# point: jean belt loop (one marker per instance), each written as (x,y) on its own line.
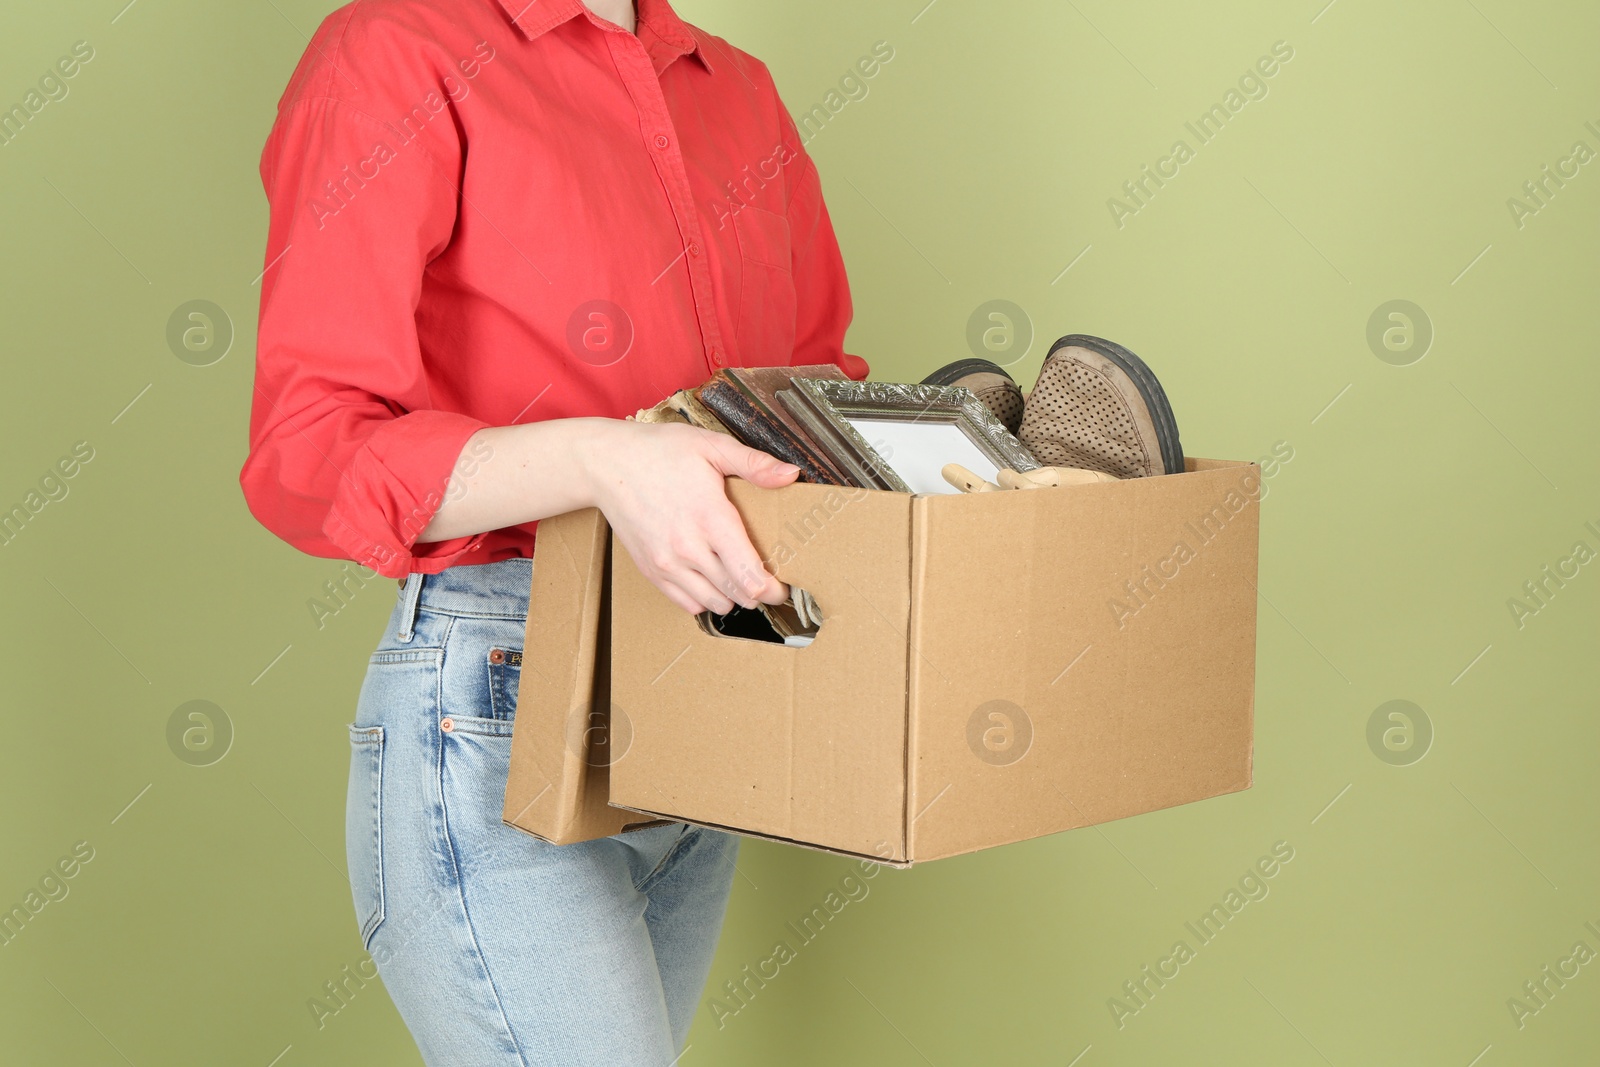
(410,596)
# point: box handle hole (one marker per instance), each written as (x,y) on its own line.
(795,623)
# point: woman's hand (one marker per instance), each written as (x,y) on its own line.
(660,486)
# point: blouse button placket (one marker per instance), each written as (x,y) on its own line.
(644,87)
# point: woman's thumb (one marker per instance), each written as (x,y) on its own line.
(753,465)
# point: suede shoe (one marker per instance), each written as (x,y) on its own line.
(989,382)
(1096,405)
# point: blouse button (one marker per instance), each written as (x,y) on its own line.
(661,140)
(694,250)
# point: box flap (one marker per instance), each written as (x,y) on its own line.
(557,788)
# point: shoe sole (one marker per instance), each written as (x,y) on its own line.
(1144,380)
(961,368)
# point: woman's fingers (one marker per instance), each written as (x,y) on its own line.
(706,575)
(679,579)
(736,559)
(679,597)
(702,590)
(669,505)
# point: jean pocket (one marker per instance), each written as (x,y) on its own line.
(505,674)
(363,830)
(481,668)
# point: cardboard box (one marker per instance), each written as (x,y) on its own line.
(558,785)
(992,667)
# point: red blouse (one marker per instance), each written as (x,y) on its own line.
(488,212)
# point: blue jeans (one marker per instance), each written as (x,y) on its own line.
(496,947)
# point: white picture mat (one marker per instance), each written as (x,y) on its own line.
(918,451)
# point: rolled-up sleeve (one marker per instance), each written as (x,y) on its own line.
(348,458)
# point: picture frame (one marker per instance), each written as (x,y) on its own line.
(915,429)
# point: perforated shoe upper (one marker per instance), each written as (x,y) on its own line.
(1086,410)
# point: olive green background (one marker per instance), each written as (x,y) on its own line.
(1420,497)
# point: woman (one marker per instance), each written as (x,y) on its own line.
(498,227)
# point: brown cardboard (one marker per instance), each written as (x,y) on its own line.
(558,785)
(942,612)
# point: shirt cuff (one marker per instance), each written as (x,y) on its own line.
(394,485)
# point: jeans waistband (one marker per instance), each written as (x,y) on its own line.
(493,589)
